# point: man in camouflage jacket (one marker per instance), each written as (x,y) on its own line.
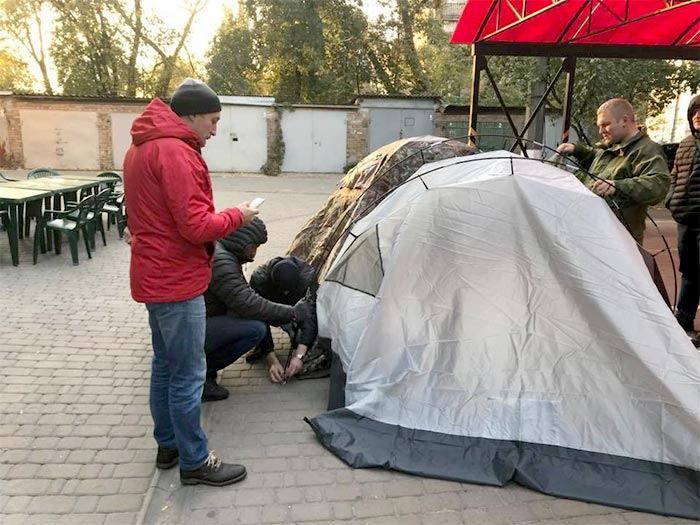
(628,169)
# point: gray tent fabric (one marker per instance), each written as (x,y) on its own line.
(361,266)
(515,335)
(557,471)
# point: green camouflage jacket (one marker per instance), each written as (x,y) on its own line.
(638,167)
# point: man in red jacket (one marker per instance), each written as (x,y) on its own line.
(173,228)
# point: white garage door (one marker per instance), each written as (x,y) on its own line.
(121,137)
(240,144)
(315,140)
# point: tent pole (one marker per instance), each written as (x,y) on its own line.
(477,67)
(569,66)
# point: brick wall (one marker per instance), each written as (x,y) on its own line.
(12,105)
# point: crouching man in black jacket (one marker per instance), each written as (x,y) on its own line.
(238,318)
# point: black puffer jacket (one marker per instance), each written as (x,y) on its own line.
(684,201)
(229,292)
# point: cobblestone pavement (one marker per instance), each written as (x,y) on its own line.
(75,431)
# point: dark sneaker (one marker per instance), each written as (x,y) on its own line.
(167,458)
(213,472)
(213,391)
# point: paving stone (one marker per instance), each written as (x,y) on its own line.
(62,471)
(134,470)
(366,509)
(345,492)
(120,503)
(290,495)
(311,512)
(275,514)
(121,518)
(22,471)
(52,504)
(93,486)
(26,487)
(16,505)
(134,485)
(114,456)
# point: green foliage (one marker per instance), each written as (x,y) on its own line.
(22,22)
(448,67)
(14,73)
(309,51)
(232,67)
(346,68)
(87,48)
(648,84)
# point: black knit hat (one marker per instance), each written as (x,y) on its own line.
(286,275)
(253,233)
(193,97)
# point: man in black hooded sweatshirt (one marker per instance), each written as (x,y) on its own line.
(684,203)
(238,317)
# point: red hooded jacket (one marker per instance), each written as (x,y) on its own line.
(171,210)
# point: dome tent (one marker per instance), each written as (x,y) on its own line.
(496,322)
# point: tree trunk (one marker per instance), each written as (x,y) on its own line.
(409,47)
(131,71)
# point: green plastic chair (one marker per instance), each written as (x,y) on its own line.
(38,173)
(70,223)
(11,233)
(34,208)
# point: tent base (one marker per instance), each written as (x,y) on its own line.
(558,471)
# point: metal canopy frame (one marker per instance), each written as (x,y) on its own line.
(566,51)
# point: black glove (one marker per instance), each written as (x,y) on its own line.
(302,311)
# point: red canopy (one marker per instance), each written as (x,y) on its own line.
(626,28)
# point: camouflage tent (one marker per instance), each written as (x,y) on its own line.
(363,188)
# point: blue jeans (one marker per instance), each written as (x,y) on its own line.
(177,378)
(228,338)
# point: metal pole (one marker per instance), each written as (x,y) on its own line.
(477,66)
(569,66)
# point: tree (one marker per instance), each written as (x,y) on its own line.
(22,20)
(87,48)
(392,47)
(232,67)
(168,45)
(290,44)
(447,67)
(14,73)
(648,84)
(346,66)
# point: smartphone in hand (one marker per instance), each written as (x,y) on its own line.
(256,202)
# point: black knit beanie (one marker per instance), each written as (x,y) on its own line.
(193,97)
(286,275)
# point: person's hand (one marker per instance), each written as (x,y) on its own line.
(274,368)
(295,364)
(565,148)
(604,188)
(127,235)
(247,211)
